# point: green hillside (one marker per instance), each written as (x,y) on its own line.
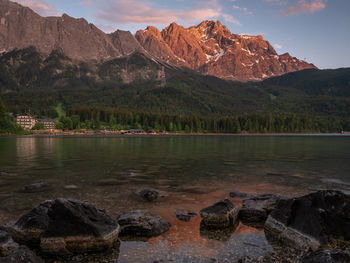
(30,81)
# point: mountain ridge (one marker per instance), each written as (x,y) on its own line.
(209,48)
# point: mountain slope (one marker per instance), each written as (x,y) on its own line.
(316,82)
(209,48)
(212,49)
(29,80)
(20,27)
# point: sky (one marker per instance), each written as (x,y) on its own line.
(317,31)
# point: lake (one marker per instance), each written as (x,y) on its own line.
(191,172)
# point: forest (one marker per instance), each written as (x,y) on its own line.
(124,93)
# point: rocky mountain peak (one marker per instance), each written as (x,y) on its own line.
(21,27)
(209,48)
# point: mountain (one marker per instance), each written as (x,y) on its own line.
(330,82)
(20,27)
(209,48)
(212,49)
(30,80)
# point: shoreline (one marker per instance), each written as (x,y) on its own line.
(116,135)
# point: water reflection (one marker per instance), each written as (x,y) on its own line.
(190,173)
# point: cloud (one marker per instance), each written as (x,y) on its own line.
(304,7)
(143,12)
(243,9)
(277,46)
(231,19)
(277,2)
(41,7)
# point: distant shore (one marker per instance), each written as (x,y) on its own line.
(72,134)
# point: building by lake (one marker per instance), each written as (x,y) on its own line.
(49,124)
(26,121)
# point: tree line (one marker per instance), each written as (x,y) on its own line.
(7,125)
(97,118)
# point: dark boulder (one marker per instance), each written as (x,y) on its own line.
(326,256)
(141,224)
(35,188)
(184,215)
(7,226)
(65,227)
(238,194)
(222,214)
(321,218)
(256,209)
(220,234)
(148,194)
(21,255)
(4,236)
(6,244)
(29,228)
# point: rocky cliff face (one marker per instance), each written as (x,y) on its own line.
(20,27)
(209,48)
(212,49)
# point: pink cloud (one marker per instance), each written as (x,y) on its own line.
(277,2)
(231,19)
(304,6)
(41,7)
(143,12)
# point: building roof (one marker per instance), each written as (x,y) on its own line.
(47,120)
(26,114)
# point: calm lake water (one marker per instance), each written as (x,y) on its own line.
(191,172)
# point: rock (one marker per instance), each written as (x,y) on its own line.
(211,49)
(8,226)
(184,215)
(6,244)
(148,194)
(4,236)
(71,187)
(282,255)
(326,256)
(220,215)
(255,210)
(30,227)
(220,234)
(238,194)
(21,255)
(66,227)
(35,188)
(321,218)
(63,33)
(141,224)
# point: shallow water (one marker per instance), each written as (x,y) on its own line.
(191,172)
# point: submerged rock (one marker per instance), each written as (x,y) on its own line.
(6,244)
(21,255)
(148,194)
(141,224)
(65,227)
(331,255)
(220,215)
(35,188)
(7,226)
(220,234)
(238,194)
(321,218)
(184,215)
(256,209)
